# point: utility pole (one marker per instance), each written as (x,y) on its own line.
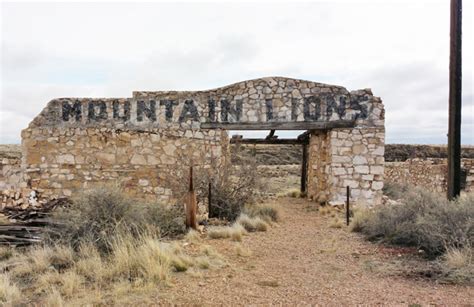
(455,73)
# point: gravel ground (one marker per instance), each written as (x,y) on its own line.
(302,260)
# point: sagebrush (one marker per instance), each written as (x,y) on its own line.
(423,219)
(97,215)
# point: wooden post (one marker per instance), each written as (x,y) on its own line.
(348,192)
(455,77)
(304,170)
(191,204)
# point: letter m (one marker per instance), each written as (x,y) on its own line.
(74,110)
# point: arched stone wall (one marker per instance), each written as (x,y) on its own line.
(140,141)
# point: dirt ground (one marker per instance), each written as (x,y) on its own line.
(302,260)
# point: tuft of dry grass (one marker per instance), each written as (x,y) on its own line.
(325,210)
(193,236)
(54,298)
(6,252)
(267,212)
(458,265)
(295,193)
(242,251)
(9,292)
(234,232)
(252,224)
(336,223)
(139,259)
(360,218)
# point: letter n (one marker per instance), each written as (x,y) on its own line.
(234,112)
(149,111)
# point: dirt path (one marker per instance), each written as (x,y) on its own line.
(304,261)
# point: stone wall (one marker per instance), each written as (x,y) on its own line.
(427,173)
(10,166)
(351,157)
(145,143)
(149,164)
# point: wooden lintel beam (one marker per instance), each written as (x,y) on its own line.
(268,141)
(281,125)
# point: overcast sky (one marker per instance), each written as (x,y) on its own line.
(400,49)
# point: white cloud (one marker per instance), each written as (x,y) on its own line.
(399,49)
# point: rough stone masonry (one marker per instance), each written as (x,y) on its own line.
(142,143)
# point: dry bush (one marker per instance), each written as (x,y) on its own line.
(252,224)
(97,215)
(169,219)
(232,187)
(266,212)
(9,292)
(395,190)
(361,217)
(425,220)
(234,232)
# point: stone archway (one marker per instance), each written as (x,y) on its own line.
(75,142)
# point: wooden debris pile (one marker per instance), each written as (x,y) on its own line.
(26,226)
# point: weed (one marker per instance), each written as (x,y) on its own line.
(9,292)
(252,224)
(336,223)
(234,232)
(266,212)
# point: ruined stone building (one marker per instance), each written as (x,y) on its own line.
(143,142)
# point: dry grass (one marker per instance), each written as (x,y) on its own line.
(295,193)
(267,212)
(6,252)
(193,236)
(326,210)
(234,232)
(252,224)
(58,275)
(458,265)
(242,251)
(336,223)
(360,218)
(54,299)
(9,292)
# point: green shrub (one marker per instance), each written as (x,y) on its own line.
(424,219)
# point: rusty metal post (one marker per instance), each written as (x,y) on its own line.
(455,101)
(348,192)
